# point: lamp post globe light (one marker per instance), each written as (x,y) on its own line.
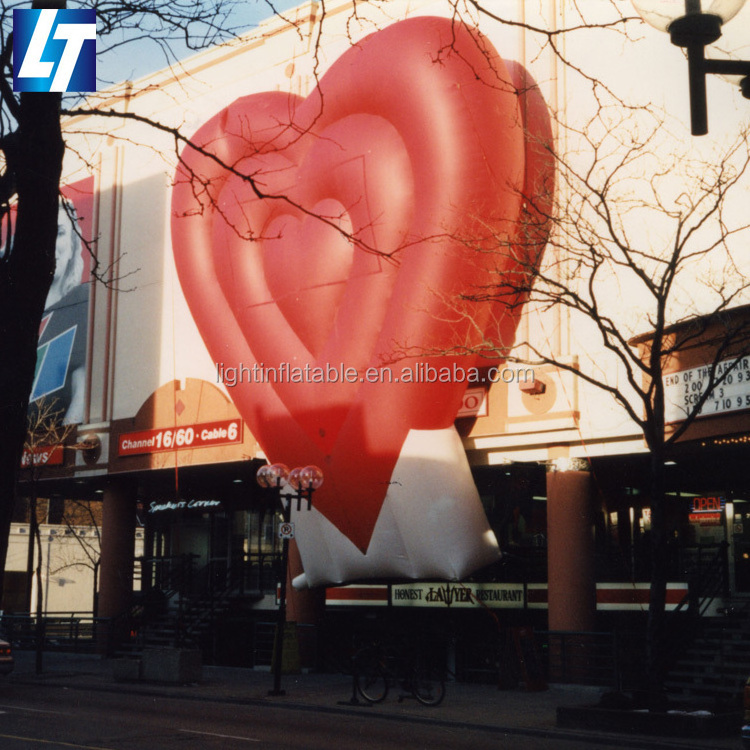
(303,481)
(273,475)
(694,24)
(661,14)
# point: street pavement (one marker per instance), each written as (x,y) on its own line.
(514,711)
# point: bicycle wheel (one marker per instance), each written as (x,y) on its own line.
(372,683)
(428,686)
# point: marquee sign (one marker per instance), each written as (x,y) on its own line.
(684,389)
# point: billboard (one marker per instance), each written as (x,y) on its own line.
(60,377)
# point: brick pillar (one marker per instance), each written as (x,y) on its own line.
(118,544)
(570,547)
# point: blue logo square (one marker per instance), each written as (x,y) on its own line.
(54,50)
(52,363)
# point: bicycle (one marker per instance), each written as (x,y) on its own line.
(377,670)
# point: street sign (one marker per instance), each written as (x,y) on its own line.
(286,530)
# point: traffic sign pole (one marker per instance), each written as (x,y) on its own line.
(281,621)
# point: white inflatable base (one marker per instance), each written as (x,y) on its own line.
(431,525)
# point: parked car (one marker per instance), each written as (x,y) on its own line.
(6,658)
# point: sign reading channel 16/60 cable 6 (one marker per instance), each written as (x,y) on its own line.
(54,50)
(684,389)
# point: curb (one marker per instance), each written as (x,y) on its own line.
(653,724)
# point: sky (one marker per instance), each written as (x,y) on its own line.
(139,54)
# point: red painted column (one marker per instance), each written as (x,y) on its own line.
(570,547)
(304,607)
(118,542)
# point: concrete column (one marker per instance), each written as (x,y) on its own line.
(570,547)
(118,544)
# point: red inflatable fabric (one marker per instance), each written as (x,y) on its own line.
(338,233)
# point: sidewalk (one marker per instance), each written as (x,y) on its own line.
(466,705)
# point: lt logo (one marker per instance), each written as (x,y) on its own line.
(54,50)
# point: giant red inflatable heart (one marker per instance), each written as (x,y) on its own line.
(337,233)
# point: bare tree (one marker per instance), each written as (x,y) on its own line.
(45,435)
(84,516)
(643,260)
(644,240)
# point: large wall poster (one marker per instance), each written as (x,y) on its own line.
(410,157)
(60,376)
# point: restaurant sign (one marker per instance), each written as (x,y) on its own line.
(464,595)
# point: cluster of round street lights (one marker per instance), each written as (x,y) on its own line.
(276,475)
(303,480)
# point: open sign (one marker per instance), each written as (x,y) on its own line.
(714,504)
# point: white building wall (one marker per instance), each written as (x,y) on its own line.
(145,335)
(66,562)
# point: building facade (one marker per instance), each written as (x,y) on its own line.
(164,433)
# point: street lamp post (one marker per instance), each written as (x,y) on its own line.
(303,482)
(694,24)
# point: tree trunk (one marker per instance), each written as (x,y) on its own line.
(95,604)
(30,553)
(655,630)
(26,272)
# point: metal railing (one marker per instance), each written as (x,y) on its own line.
(582,658)
(59,631)
(521,654)
(708,577)
(253,573)
(171,574)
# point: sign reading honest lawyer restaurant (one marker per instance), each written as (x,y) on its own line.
(457,595)
(204,435)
